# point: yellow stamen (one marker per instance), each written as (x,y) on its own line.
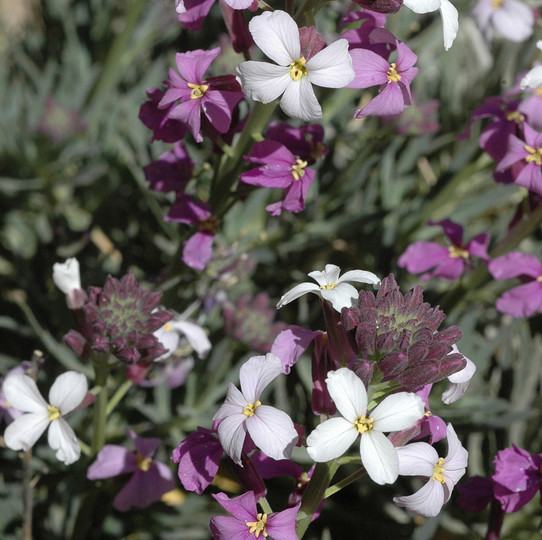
(438,470)
(458,252)
(329,286)
(250,409)
(516,116)
(54,412)
(143,463)
(257,527)
(198,90)
(298,170)
(364,424)
(209,225)
(496,4)
(168,327)
(392,74)
(298,69)
(538,91)
(535,155)
(427,413)
(539,279)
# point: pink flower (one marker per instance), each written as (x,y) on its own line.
(242,412)
(215,96)
(524,300)
(446,262)
(149,481)
(247,523)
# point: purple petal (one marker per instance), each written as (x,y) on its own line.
(290,344)
(370,69)
(198,250)
(421,256)
(193,64)
(112,460)
(242,508)
(389,102)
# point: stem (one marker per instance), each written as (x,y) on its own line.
(344,482)
(118,395)
(315,493)
(101,370)
(28,487)
(266,507)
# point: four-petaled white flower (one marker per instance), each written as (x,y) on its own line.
(277,35)
(332,287)
(271,430)
(333,437)
(66,393)
(421,459)
(448,12)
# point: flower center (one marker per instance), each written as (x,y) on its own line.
(250,410)
(539,279)
(438,470)
(143,463)
(168,327)
(364,424)
(515,116)
(54,412)
(328,286)
(496,4)
(298,69)
(456,252)
(298,170)
(257,527)
(538,91)
(209,225)
(392,74)
(535,155)
(198,90)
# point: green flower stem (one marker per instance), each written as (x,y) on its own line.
(344,482)
(266,507)
(315,493)
(100,361)
(118,395)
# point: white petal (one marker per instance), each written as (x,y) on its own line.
(257,373)
(332,66)
(277,35)
(417,459)
(234,403)
(262,81)
(422,6)
(68,391)
(22,394)
(348,392)
(328,276)
(454,392)
(427,501)
(297,291)
(179,7)
(196,336)
(66,275)
(457,457)
(533,78)
(232,432)
(299,101)
(464,375)
(62,439)
(450,22)
(273,432)
(361,276)
(331,439)
(25,430)
(379,457)
(398,411)
(342,295)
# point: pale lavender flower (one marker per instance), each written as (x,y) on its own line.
(150,479)
(511,19)
(242,412)
(421,459)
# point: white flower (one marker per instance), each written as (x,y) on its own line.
(66,275)
(171,336)
(180,7)
(277,35)
(332,438)
(458,381)
(332,287)
(448,12)
(66,393)
(421,459)
(533,78)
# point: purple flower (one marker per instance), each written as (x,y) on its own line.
(395,79)
(149,481)
(445,262)
(517,477)
(524,300)
(290,344)
(475,494)
(242,412)
(197,250)
(171,171)
(279,169)
(247,523)
(215,96)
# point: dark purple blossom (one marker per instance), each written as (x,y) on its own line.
(171,171)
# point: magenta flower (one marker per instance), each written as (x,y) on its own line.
(215,96)
(247,523)
(306,142)
(395,79)
(149,481)
(524,300)
(445,262)
(527,156)
(242,412)
(517,477)
(290,344)
(197,251)
(171,171)
(279,169)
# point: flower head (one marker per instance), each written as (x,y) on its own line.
(66,393)
(242,412)
(333,437)
(171,171)
(150,479)
(293,75)
(511,19)
(421,459)
(332,287)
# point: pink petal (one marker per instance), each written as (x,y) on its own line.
(112,460)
